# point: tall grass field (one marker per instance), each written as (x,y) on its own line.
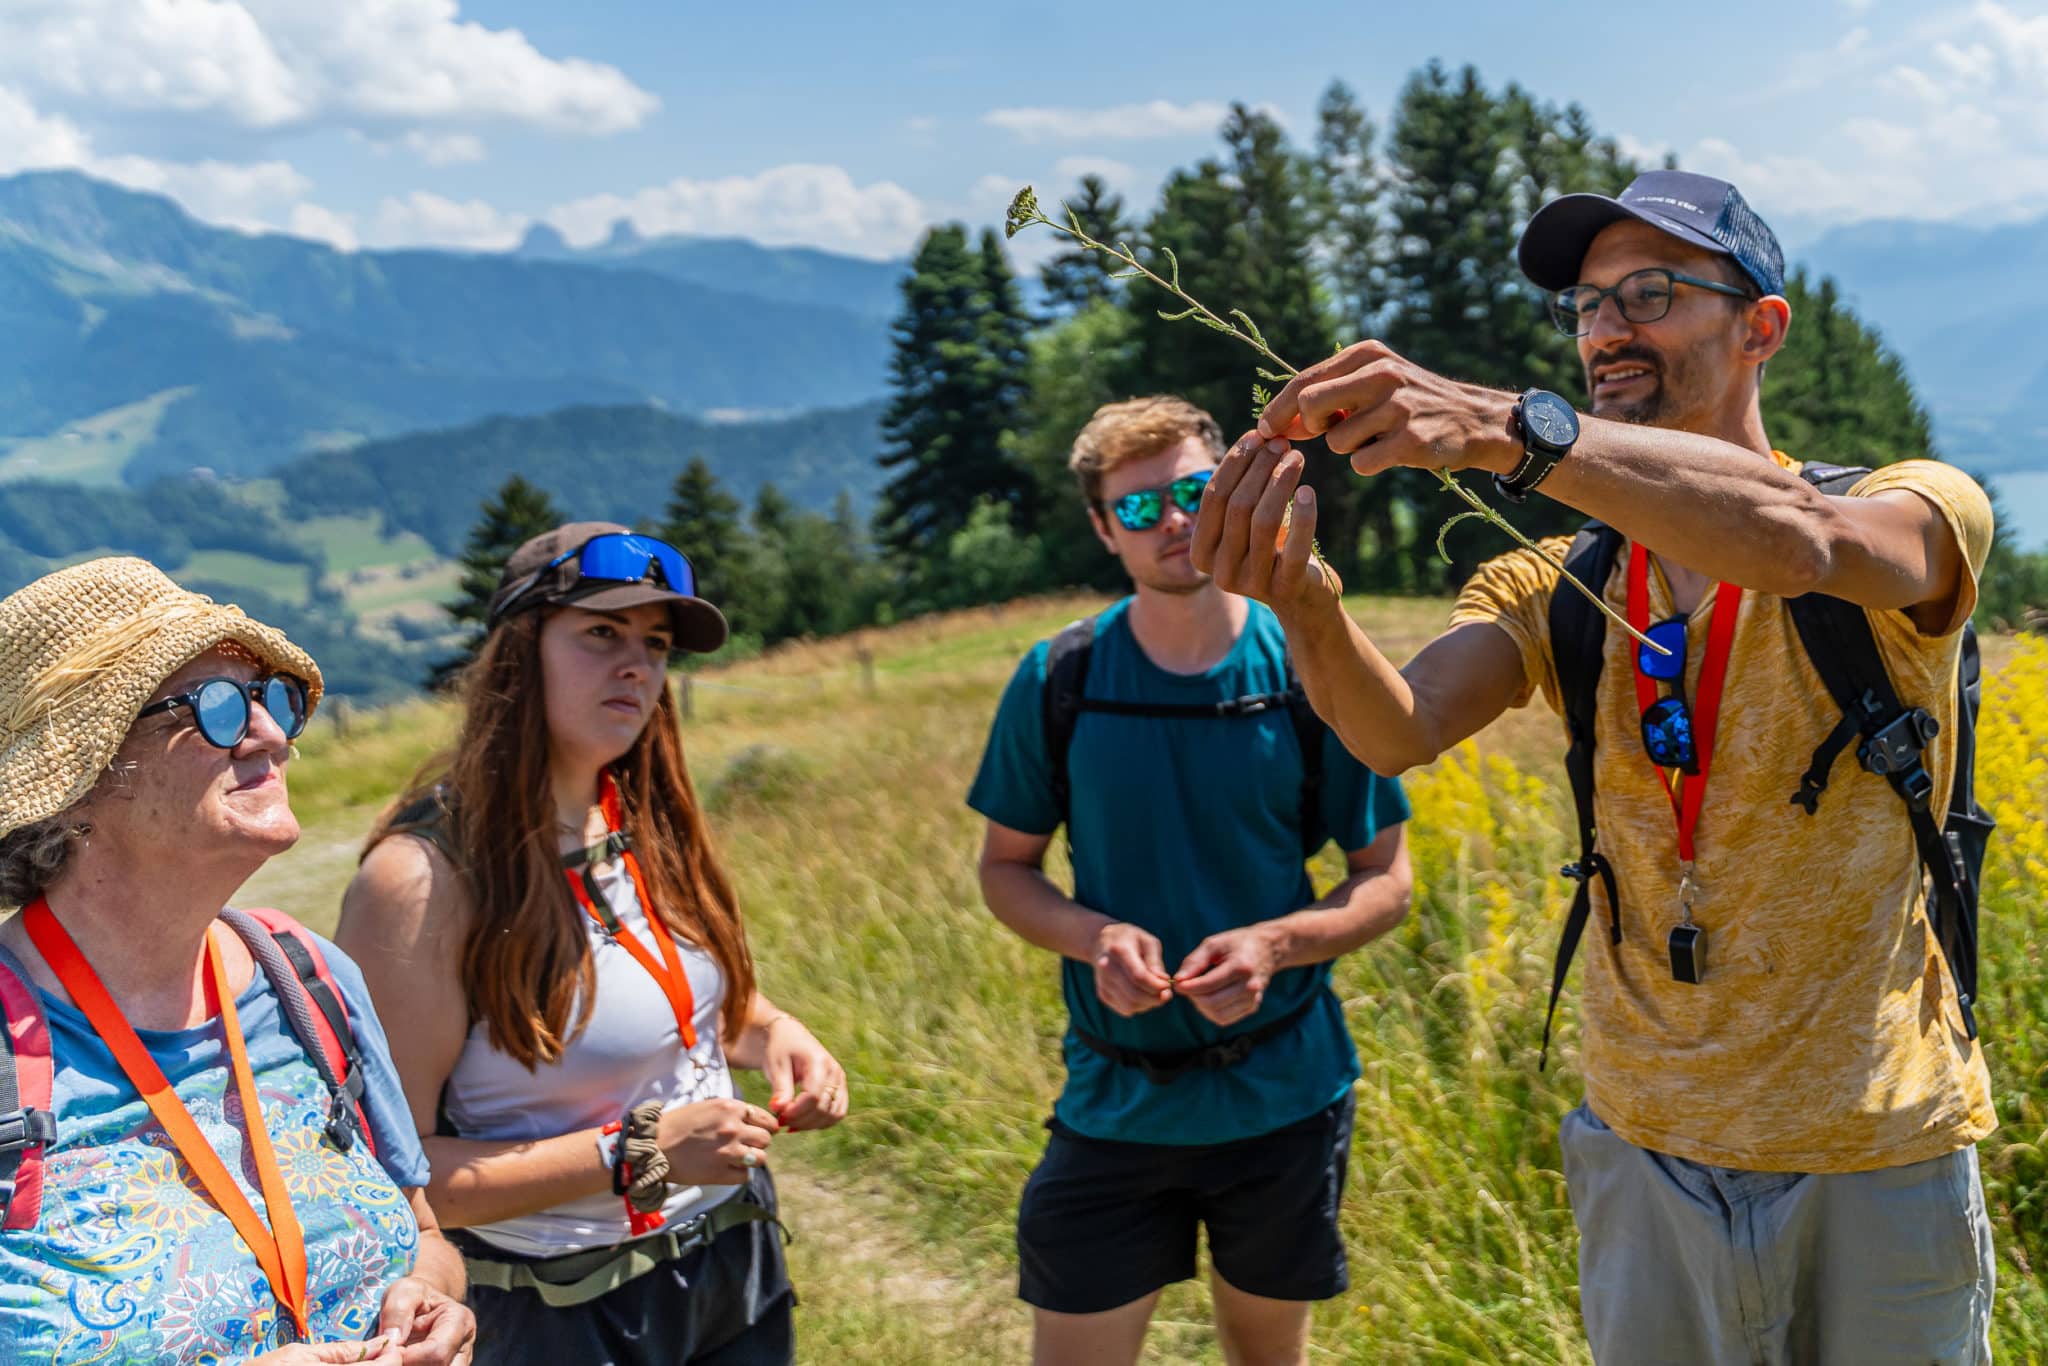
(835,772)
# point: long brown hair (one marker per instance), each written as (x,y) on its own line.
(526,964)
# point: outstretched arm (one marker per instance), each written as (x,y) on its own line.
(1720,509)
(1392,719)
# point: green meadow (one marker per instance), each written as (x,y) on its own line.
(834,773)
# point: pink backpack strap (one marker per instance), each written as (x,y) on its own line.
(27,1124)
(314,1007)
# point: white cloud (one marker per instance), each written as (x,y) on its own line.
(275,63)
(425,219)
(323,225)
(444,149)
(239,194)
(808,204)
(1153,119)
(1948,123)
(30,139)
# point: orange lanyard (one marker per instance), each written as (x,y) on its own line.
(281,1248)
(675,983)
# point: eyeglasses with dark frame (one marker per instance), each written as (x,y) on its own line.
(1643,296)
(224,707)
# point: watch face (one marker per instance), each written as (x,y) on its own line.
(1549,419)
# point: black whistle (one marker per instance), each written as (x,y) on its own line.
(1688,954)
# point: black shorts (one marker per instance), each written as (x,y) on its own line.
(1104,1223)
(726,1304)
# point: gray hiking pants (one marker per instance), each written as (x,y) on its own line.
(1693,1265)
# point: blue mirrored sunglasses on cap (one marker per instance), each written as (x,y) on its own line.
(1141,509)
(223,707)
(614,557)
(627,557)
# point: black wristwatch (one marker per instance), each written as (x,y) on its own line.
(1548,427)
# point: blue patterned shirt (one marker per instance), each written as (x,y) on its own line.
(131,1263)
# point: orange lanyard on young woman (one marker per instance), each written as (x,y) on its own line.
(1690,791)
(280,1249)
(675,984)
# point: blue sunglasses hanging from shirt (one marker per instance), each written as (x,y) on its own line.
(1667,723)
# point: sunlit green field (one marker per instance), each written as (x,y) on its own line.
(838,807)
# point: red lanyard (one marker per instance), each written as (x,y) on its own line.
(1689,793)
(675,984)
(281,1248)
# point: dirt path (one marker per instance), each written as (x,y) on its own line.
(869,1291)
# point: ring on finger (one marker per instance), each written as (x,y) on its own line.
(749,1158)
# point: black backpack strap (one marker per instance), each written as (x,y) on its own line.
(1893,740)
(430,815)
(1578,645)
(1066,672)
(296,981)
(1308,732)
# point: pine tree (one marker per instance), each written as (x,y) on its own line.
(516,514)
(1834,393)
(959,355)
(1344,194)
(1075,277)
(703,521)
(1076,366)
(1240,230)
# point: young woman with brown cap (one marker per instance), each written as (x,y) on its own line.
(161,1076)
(567,977)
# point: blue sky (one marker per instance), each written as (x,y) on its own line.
(459,122)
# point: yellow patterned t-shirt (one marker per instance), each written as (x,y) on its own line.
(1825,1036)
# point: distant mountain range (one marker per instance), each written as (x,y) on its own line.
(796,275)
(611,464)
(1967,308)
(144,342)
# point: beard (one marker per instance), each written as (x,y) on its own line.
(1670,396)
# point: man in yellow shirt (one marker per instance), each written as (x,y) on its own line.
(1775,1160)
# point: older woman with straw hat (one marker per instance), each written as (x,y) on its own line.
(216,1185)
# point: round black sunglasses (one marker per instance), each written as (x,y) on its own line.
(223,707)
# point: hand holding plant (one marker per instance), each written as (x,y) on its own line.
(1306,406)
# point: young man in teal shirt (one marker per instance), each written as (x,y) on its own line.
(1209,1069)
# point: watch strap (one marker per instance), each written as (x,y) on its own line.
(1539,458)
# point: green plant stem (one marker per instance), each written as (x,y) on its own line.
(1024,213)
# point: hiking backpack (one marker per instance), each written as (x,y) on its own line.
(1064,699)
(1891,740)
(307,997)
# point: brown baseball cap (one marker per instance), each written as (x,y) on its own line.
(528,582)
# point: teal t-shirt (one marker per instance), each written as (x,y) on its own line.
(1186,827)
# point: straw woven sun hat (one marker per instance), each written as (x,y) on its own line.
(81,650)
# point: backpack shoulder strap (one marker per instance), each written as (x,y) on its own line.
(1892,740)
(1308,732)
(1578,646)
(312,1004)
(1066,673)
(431,816)
(27,1124)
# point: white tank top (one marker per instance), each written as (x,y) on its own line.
(629,1052)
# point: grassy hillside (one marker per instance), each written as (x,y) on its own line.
(839,811)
